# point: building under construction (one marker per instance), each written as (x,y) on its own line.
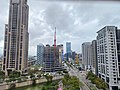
(52,58)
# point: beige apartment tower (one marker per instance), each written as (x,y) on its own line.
(16,37)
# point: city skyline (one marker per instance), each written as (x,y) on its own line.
(76,16)
(73,44)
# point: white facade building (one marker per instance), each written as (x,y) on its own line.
(108,50)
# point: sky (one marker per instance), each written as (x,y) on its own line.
(76,21)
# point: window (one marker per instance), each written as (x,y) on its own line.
(20,53)
(4,53)
(20,67)
(14,18)
(20,60)
(3,67)
(20,45)
(4,60)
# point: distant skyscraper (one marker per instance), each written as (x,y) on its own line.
(86,55)
(16,37)
(80,59)
(73,55)
(108,55)
(40,53)
(68,49)
(61,57)
(89,56)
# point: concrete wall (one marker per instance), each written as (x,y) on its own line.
(24,83)
(27,83)
(2,87)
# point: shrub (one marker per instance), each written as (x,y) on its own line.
(39,75)
(14,74)
(71,83)
(96,80)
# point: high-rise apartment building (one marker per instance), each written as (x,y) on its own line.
(68,49)
(16,37)
(86,55)
(73,55)
(108,55)
(40,53)
(61,56)
(80,59)
(94,56)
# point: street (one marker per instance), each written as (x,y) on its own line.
(81,76)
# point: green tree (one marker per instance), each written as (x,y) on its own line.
(2,76)
(48,77)
(50,86)
(31,71)
(96,80)
(14,74)
(71,83)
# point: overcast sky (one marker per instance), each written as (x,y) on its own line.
(76,21)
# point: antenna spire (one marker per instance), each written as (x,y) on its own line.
(55,38)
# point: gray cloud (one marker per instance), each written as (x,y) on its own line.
(56,16)
(77,22)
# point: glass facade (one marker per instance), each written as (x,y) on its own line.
(40,52)
(68,49)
